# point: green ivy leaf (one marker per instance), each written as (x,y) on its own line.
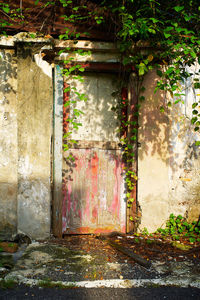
(178,8)
(32,35)
(192,240)
(195,112)
(162,109)
(167,35)
(194,105)
(142,69)
(193,54)
(197,85)
(159,73)
(6,9)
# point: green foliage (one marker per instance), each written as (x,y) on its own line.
(7,284)
(181,246)
(72,70)
(145,231)
(149,242)
(170,28)
(50,284)
(168,31)
(178,227)
(171,32)
(5,7)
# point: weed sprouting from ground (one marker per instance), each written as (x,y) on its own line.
(8,284)
(51,284)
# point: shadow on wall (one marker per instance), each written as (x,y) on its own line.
(98,119)
(24,209)
(26,143)
(167,135)
(8,144)
(8,210)
(153,124)
(8,70)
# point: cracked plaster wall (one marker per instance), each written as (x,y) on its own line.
(168,160)
(8,143)
(26,99)
(34,143)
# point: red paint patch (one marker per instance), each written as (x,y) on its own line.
(87,208)
(94,165)
(94,212)
(94,170)
(69,204)
(64,210)
(115,206)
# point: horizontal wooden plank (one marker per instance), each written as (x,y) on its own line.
(86,45)
(107,145)
(94,57)
(102,66)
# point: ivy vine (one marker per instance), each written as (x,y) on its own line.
(151,34)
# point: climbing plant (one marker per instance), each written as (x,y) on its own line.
(163,36)
(177,227)
(151,34)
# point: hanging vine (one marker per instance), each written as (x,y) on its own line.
(151,34)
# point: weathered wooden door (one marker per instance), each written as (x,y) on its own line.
(93,189)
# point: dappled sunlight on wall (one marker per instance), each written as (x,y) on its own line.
(153,124)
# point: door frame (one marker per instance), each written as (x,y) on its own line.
(57,152)
(59,95)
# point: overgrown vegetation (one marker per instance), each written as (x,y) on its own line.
(7,284)
(151,34)
(178,228)
(50,284)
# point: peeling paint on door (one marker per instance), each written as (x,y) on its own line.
(93,185)
(93,193)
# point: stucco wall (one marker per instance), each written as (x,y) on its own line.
(153,158)
(184,165)
(168,160)
(35,100)
(8,143)
(26,102)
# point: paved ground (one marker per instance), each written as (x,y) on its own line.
(158,293)
(62,270)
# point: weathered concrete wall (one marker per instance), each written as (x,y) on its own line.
(8,143)
(35,100)
(184,167)
(168,160)
(153,156)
